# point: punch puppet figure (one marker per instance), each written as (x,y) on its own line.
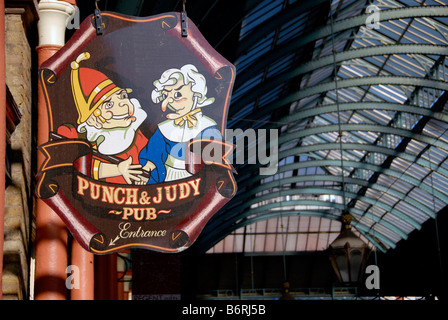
(110,120)
(183,93)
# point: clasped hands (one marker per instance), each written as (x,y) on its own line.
(131,173)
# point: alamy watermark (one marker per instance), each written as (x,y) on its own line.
(73,279)
(250,146)
(74,19)
(373,280)
(373,20)
(260,147)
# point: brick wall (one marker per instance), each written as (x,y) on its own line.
(18,204)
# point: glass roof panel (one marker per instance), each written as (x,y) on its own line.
(292,28)
(261,13)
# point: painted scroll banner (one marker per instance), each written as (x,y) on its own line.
(132,112)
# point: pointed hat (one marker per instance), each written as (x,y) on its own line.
(90,88)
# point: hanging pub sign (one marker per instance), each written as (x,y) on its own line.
(136,152)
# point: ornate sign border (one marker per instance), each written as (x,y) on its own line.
(65,185)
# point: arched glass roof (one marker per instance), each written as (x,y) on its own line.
(357,92)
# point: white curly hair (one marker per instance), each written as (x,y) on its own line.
(188,73)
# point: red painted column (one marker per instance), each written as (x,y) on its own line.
(51,233)
(85,262)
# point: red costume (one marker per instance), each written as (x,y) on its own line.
(91,88)
(140,141)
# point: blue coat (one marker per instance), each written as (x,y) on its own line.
(159,147)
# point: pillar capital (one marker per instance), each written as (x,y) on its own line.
(53,17)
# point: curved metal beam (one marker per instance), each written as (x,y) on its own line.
(212,237)
(367,166)
(360,106)
(363,127)
(218,234)
(367,232)
(366,81)
(305,150)
(320,191)
(359,226)
(366,147)
(347,83)
(363,147)
(338,57)
(338,179)
(339,206)
(326,30)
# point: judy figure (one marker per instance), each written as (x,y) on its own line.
(184,93)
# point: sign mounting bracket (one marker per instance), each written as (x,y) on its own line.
(184,25)
(98,21)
